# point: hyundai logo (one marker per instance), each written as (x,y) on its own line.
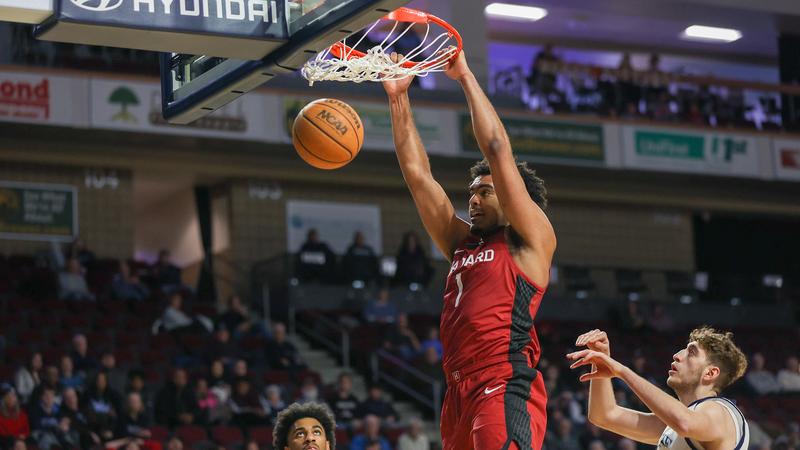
(98,5)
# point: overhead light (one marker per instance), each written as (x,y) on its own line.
(515,12)
(711,34)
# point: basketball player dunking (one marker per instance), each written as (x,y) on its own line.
(500,266)
(699,419)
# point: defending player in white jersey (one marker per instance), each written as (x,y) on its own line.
(698,419)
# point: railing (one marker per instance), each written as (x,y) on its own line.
(320,331)
(391,377)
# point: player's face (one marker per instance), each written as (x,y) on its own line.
(688,367)
(484,207)
(307,434)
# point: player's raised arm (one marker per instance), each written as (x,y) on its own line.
(603,408)
(524,215)
(435,209)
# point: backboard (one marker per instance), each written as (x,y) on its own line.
(193,86)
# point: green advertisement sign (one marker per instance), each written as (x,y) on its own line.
(665,145)
(31,211)
(545,138)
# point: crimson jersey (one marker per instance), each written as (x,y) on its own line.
(489,305)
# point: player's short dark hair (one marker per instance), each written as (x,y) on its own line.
(533,184)
(297,411)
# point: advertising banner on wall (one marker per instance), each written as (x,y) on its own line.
(786,158)
(136,106)
(544,138)
(437,127)
(43,99)
(691,152)
(38,211)
(336,223)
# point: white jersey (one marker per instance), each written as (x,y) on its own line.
(671,441)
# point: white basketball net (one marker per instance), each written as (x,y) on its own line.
(377,64)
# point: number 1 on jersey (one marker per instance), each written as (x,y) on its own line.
(460,289)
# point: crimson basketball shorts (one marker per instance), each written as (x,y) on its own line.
(499,406)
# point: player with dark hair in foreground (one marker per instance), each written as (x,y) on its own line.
(698,419)
(305,426)
(500,266)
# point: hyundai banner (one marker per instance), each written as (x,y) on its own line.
(245,29)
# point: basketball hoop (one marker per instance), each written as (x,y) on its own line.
(341,62)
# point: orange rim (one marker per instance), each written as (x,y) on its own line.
(407,15)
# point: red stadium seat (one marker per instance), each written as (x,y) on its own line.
(342,438)
(262,435)
(159,433)
(225,435)
(190,434)
(276,377)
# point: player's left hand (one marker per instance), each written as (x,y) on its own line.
(603,366)
(458,67)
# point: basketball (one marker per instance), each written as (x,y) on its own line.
(327,133)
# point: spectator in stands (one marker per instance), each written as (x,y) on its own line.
(79,251)
(309,391)
(217,380)
(137,385)
(245,405)
(175,402)
(376,405)
(240,370)
(343,402)
(81,359)
(133,423)
(431,365)
(210,407)
(300,427)
(272,403)
(166,274)
(563,438)
(553,382)
(239,321)
(174,443)
(401,339)
(632,318)
(542,78)
(44,420)
(315,260)
(221,348)
(413,268)
(381,309)
(626,444)
(116,376)
(72,283)
(759,379)
(414,438)
(174,319)
(432,341)
(13,419)
(70,379)
(76,428)
(127,285)
(49,381)
(594,434)
(789,376)
(360,262)
(659,320)
(28,377)
(103,406)
(371,434)
(282,354)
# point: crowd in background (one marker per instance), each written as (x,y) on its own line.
(555,86)
(233,368)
